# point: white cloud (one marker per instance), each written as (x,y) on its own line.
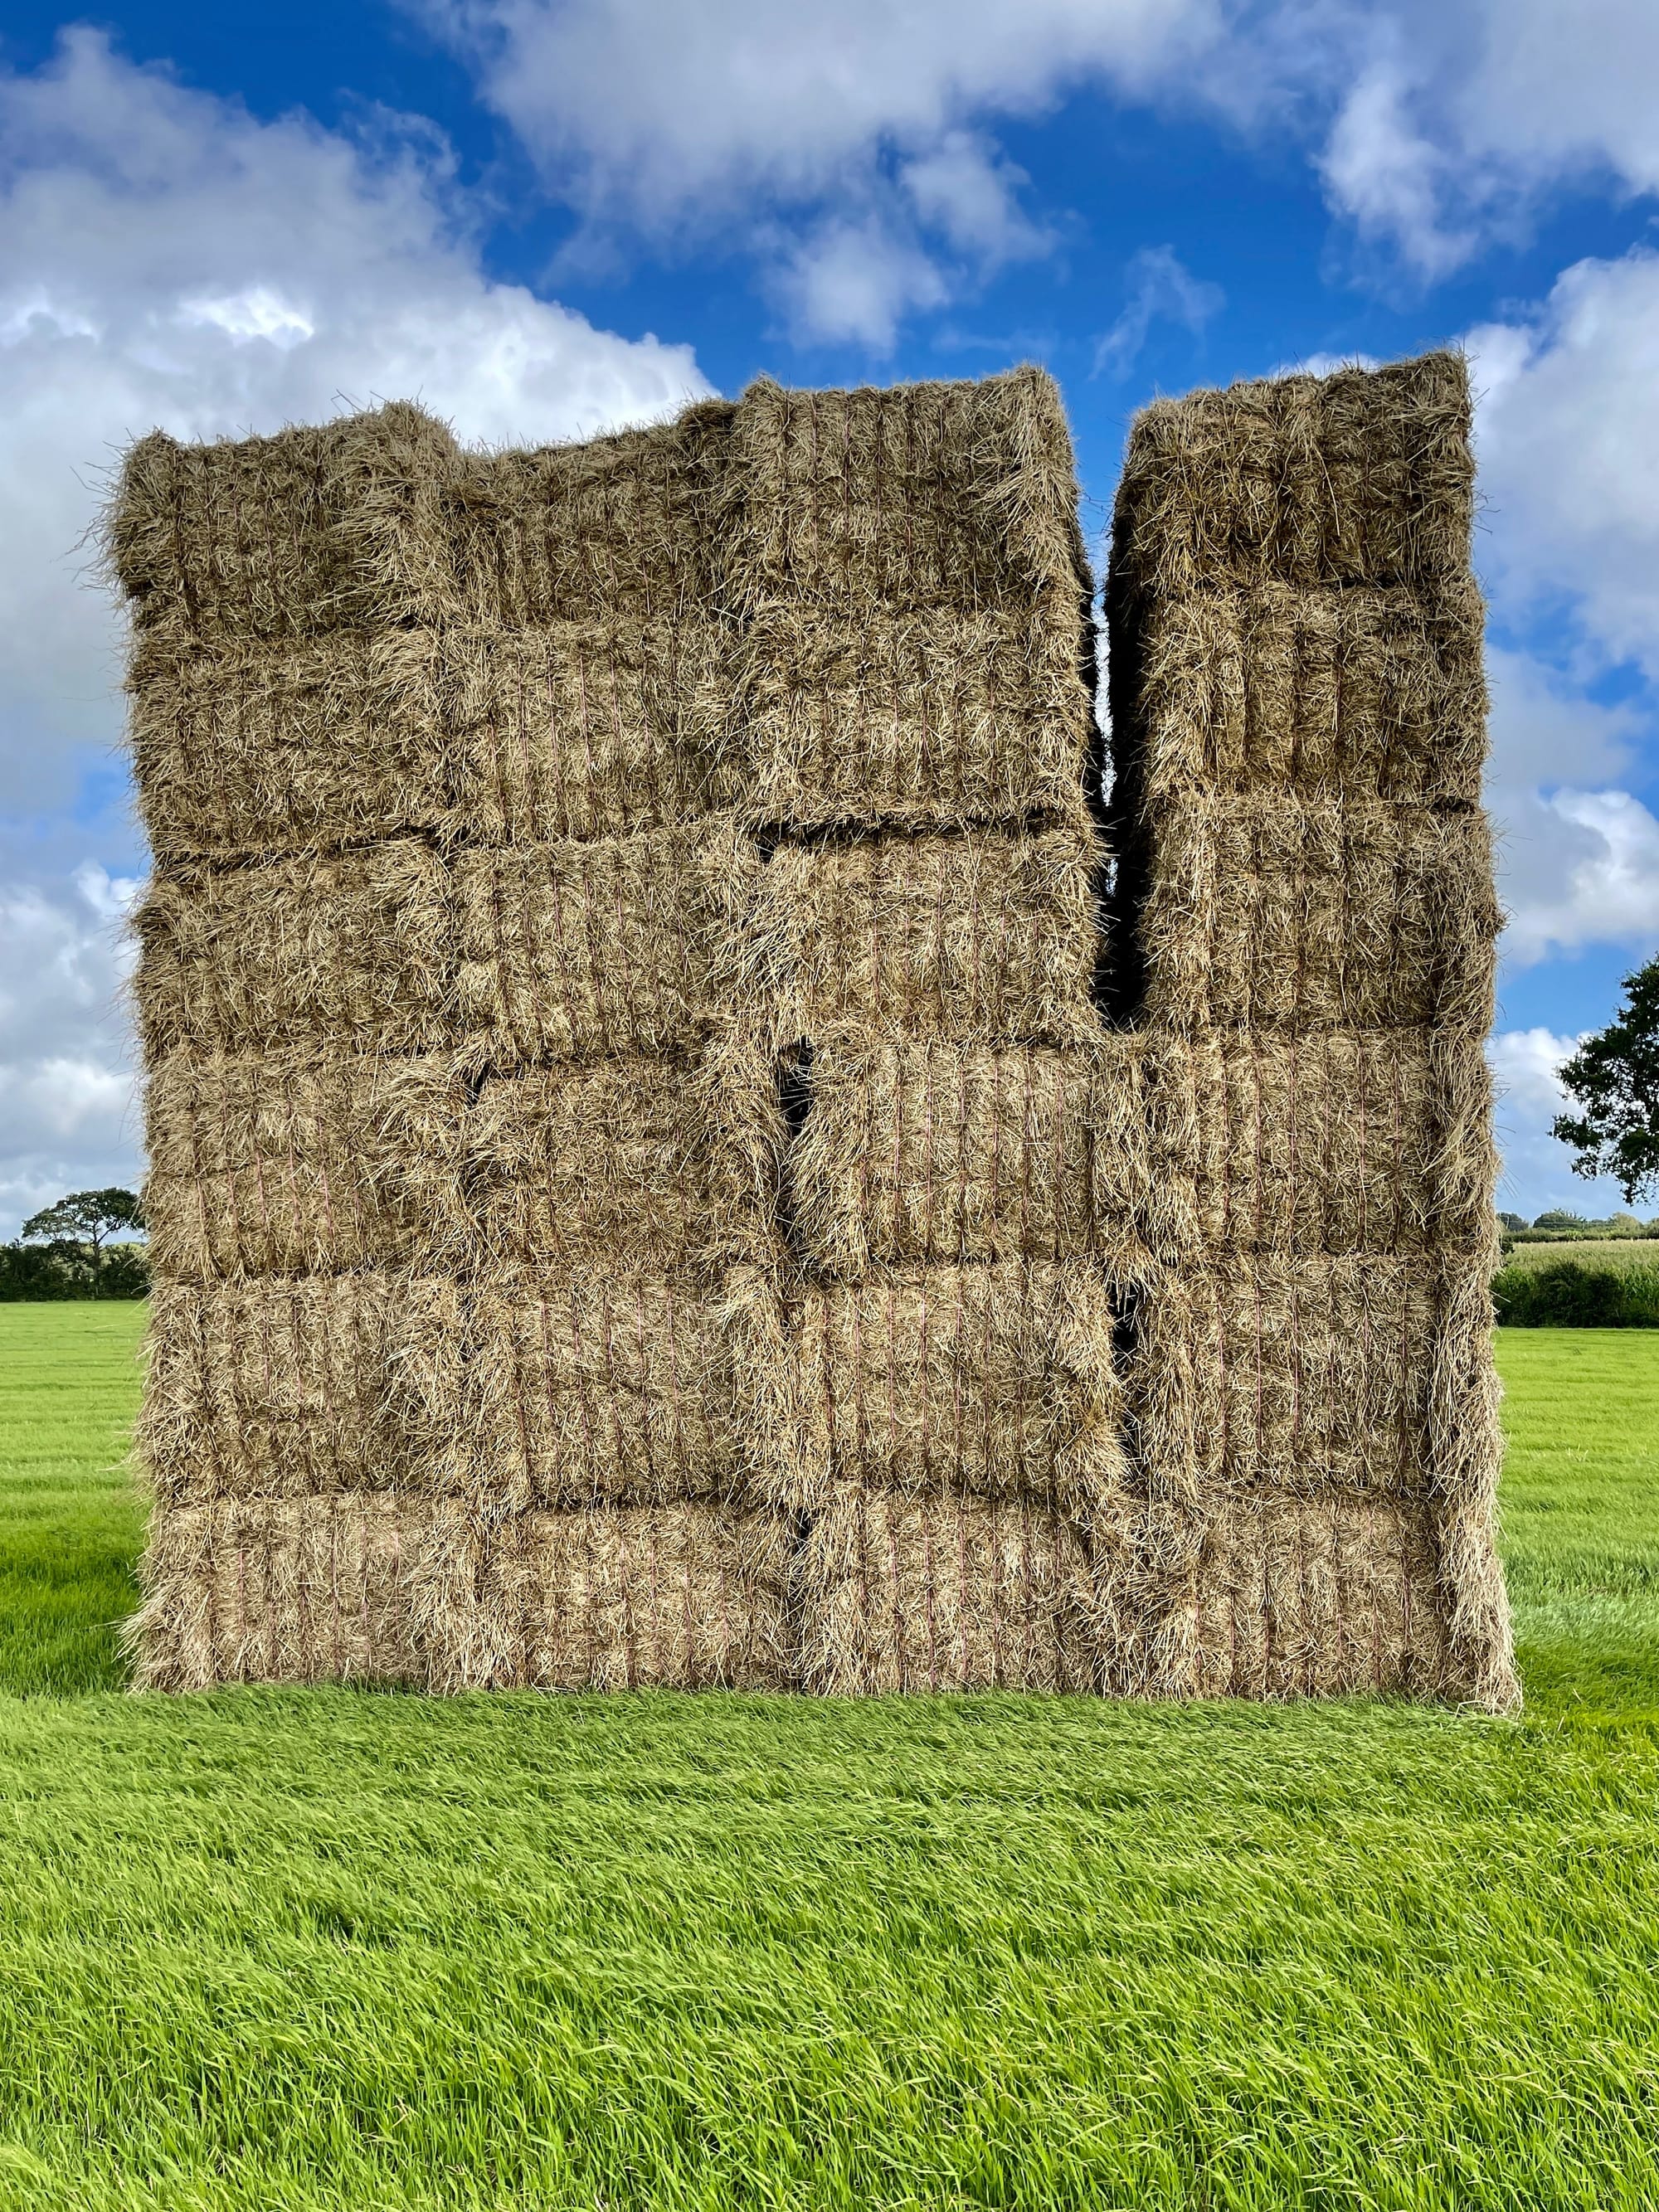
(1434,124)
(1453,121)
(67,1107)
(841,143)
(968,192)
(1160,290)
(1578,854)
(1537,1173)
(656,106)
(855,281)
(1568,437)
(1594,877)
(166,258)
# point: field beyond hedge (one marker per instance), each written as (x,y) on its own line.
(275,1949)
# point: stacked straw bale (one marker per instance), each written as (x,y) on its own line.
(915,670)
(1306,920)
(668,1167)
(431,750)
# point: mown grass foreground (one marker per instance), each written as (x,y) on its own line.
(277,1949)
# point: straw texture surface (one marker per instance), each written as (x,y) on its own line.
(701,1133)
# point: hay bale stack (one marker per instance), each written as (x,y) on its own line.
(912,661)
(667,1167)
(1305,923)
(431,750)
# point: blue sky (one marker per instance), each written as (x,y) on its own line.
(546,217)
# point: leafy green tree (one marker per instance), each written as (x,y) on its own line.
(1614,1077)
(1559,1217)
(86,1218)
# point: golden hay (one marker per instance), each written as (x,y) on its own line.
(312,530)
(1295,1372)
(623,526)
(684,1596)
(995,1380)
(276,1162)
(619,1160)
(257,746)
(303,1385)
(643,1190)
(1338,1141)
(983,935)
(932,495)
(1364,693)
(951,1591)
(934,720)
(281,1589)
(599,946)
(1363,477)
(942,1151)
(351,951)
(1271,911)
(589,729)
(1304,1598)
(596,1383)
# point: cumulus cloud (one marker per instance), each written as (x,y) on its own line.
(1568,439)
(165,259)
(1537,1173)
(1160,288)
(843,144)
(1452,121)
(1578,854)
(66,1081)
(1434,126)
(658,107)
(1569,453)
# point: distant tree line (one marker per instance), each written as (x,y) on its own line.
(89,1245)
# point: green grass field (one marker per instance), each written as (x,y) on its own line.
(1589,1251)
(327,1949)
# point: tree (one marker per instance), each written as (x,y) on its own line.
(1614,1077)
(85,1216)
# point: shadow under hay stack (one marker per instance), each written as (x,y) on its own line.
(659,1175)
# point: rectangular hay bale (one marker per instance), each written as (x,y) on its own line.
(1361,692)
(351,951)
(1303,1374)
(279,1162)
(995,1380)
(589,729)
(1325,1597)
(943,718)
(592,947)
(614,1161)
(604,1383)
(257,746)
(940,1151)
(339,526)
(984,935)
(302,1385)
(1274,913)
(680,1596)
(617,526)
(283,1589)
(929,495)
(1363,477)
(948,1591)
(1343,1140)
